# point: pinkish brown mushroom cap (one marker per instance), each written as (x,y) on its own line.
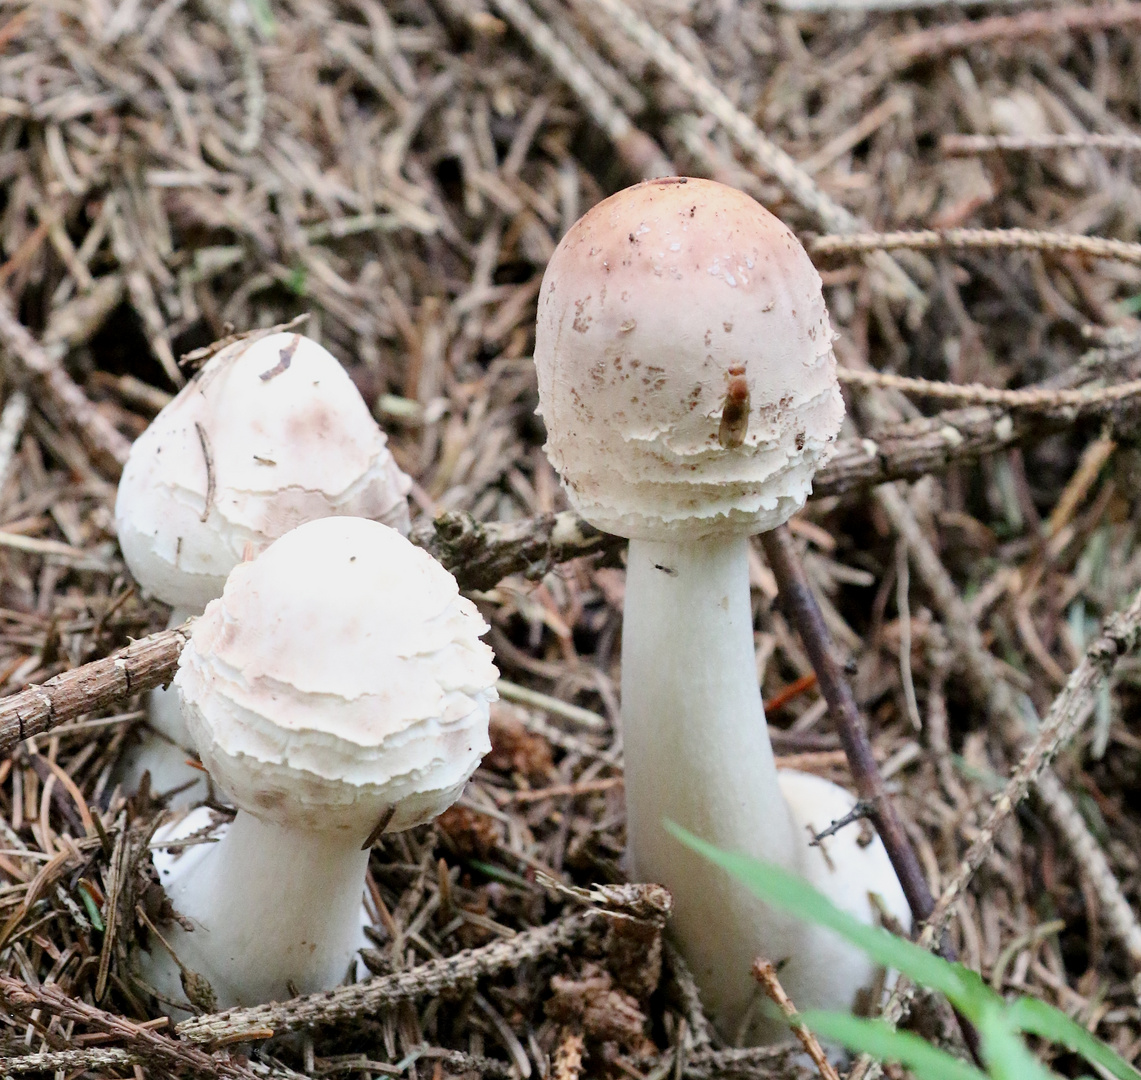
(685,365)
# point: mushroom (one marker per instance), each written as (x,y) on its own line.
(336,690)
(269,434)
(688,386)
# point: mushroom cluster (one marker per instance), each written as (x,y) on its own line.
(268,435)
(688,387)
(337,689)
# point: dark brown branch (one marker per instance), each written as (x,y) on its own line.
(481,555)
(800,603)
(911,450)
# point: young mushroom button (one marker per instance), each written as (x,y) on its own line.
(688,386)
(337,688)
(268,435)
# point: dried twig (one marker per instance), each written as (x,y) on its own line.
(1094,247)
(446,975)
(158,1050)
(12,421)
(983,144)
(71,1060)
(797,597)
(1085,399)
(700,1029)
(939,40)
(983,676)
(143,665)
(1120,636)
(766,974)
(481,555)
(751,1063)
(1115,908)
(251,74)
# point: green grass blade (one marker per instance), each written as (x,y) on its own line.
(1006,1056)
(1038,1018)
(791,894)
(885,1043)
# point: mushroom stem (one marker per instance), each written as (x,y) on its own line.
(697,751)
(276,912)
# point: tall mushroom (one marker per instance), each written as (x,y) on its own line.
(337,689)
(688,386)
(268,435)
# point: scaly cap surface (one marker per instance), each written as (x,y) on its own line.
(289,440)
(340,674)
(685,365)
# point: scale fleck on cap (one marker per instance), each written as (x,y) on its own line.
(684,355)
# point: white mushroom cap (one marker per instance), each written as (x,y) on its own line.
(339,675)
(663,309)
(289,440)
(849,868)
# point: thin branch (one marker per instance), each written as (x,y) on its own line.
(255,101)
(927,44)
(1095,247)
(766,974)
(1120,636)
(1115,908)
(70,1061)
(12,421)
(749,1063)
(1039,399)
(483,554)
(797,597)
(447,975)
(983,144)
(143,665)
(800,602)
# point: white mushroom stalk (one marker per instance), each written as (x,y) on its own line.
(268,435)
(336,690)
(688,386)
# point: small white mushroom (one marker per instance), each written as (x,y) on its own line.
(266,436)
(338,685)
(688,386)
